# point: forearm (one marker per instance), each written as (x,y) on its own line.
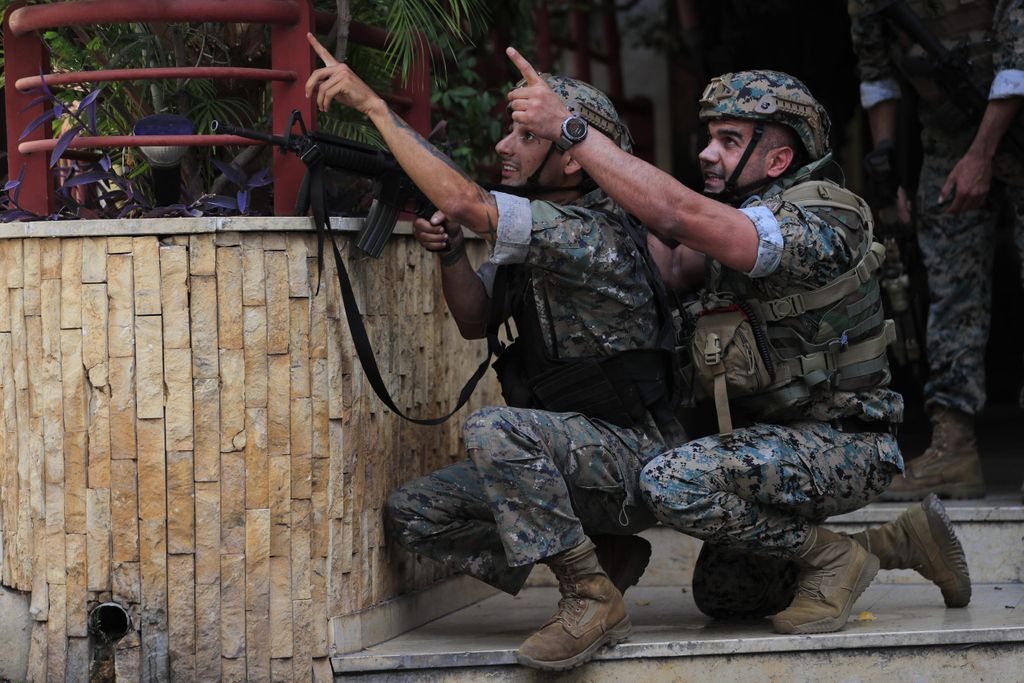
(999,116)
(465,294)
(438,177)
(681,268)
(668,207)
(882,120)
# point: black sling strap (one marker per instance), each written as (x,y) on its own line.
(360,340)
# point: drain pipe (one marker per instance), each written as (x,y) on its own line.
(108,623)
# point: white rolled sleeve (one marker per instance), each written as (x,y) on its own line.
(1007,83)
(515,222)
(874,92)
(769,240)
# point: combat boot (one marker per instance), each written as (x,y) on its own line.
(949,467)
(590,614)
(624,558)
(922,539)
(834,571)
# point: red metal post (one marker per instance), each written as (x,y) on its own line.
(417,87)
(613,55)
(25,56)
(581,40)
(542,20)
(92,12)
(291,52)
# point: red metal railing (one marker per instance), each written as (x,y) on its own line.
(291,63)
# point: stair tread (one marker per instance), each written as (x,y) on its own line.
(1003,507)
(666,623)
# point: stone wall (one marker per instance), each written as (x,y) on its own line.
(184,430)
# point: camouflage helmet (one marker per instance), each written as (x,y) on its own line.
(592,104)
(769,96)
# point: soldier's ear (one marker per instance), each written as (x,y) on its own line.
(778,160)
(570,165)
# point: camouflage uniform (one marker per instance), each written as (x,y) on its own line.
(754,495)
(536,482)
(957,249)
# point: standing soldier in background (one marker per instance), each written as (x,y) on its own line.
(957,202)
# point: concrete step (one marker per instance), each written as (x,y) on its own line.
(991,531)
(921,639)
(897,632)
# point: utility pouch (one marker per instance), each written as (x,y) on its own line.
(727,359)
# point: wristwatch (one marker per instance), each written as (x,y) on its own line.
(574,130)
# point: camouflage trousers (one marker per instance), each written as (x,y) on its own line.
(762,488)
(534,485)
(957,250)
(752,498)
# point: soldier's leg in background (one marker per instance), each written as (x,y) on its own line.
(446,517)
(957,250)
(1015,198)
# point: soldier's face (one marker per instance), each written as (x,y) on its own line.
(727,140)
(521,154)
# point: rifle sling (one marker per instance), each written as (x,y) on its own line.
(360,340)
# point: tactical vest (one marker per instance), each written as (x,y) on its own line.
(622,388)
(768,357)
(965,26)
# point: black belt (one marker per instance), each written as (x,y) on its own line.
(853,425)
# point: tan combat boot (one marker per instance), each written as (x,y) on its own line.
(624,558)
(590,614)
(949,467)
(834,571)
(922,539)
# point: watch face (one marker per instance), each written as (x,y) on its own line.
(576,128)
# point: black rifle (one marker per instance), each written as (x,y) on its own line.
(953,69)
(393,191)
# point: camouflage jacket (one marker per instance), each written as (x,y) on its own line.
(588,281)
(800,251)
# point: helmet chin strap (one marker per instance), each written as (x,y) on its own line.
(732,191)
(534,178)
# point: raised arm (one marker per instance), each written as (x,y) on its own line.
(664,204)
(444,183)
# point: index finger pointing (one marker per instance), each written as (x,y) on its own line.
(525,68)
(321,51)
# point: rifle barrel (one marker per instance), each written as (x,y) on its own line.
(228,129)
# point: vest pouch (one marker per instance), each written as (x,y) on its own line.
(726,360)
